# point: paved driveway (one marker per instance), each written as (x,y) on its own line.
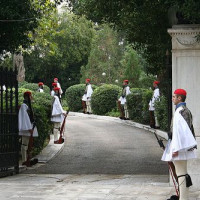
(96,146)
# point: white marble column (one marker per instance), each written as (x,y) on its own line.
(186,75)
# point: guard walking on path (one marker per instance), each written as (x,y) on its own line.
(182,143)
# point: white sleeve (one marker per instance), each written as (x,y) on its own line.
(24,120)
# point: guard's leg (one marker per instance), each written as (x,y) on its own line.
(89,108)
(84,106)
(56,131)
(152,119)
(24,148)
(181,169)
(126,111)
(156,120)
(120,107)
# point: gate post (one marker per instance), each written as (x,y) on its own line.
(185,74)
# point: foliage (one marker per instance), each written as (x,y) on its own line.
(104,57)
(144,22)
(104,99)
(131,65)
(61,46)
(41,106)
(146,81)
(34,87)
(18,17)
(113,113)
(73,96)
(161,112)
(21,84)
(137,103)
(146,30)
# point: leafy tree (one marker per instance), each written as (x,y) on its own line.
(61,45)
(105,56)
(144,22)
(132,66)
(18,17)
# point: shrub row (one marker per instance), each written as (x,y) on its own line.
(104,102)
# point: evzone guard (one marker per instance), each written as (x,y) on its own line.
(58,85)
(41,87)
(122,103)
(86,99)
(54,85)
(156,95)
(57,115)
(27,129)
(181,144)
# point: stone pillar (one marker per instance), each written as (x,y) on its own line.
(186,75)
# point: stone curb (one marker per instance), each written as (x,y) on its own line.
(50,151)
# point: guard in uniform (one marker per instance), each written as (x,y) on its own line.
(57,115)
(26,124)
(122,104)
(54,85)
(156,94)
(86,99)
(41,87)
(181,144)
(58,85)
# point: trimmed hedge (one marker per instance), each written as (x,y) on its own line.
(104,99)
(137,103)
(41,106)
(161,112)
(34,87)
(74,95)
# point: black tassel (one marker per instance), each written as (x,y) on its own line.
(174,197)
(188,180)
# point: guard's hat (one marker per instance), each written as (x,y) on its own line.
(126,81)
(40,83)
(56,89)
(54,84)
(180,92)
(27,93)
(55,79)
(156,82)
(87,79)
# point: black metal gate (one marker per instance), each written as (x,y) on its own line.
(9,140)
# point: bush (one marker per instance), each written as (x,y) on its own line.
(34,87)
(146,96)
(74,95)
(161,112)
(41,106)
(114,113)
(104,99)
(137,103)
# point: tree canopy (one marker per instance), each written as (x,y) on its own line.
(61,46)
(144,22)
(18,17)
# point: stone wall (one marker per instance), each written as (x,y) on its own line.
(186,75)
